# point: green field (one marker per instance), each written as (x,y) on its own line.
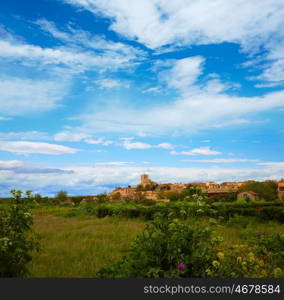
(82,245)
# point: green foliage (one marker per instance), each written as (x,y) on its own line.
(61,196)
(272,213)
(76,200)
(17,239)
(266,190)
(229,197)
(101,198)
(152,186)
(262,257)
(167,248)
(116,196)
(238,221)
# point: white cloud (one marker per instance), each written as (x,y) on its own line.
(90,180)
(10,164)
(183,73)
(221,160)
(128,144)
(24,135)
(155,89)
(157,23)
(113,163)
(273,164)
(35,95)
(197,151)
(193,111)
(111,83)
(99,141)
(84,39)
(67,136)
(24,147)
(4,118)
(165,25)
(72,58)
(164,146)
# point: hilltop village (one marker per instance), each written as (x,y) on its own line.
(157,192)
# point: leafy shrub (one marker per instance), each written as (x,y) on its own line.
(167,248)
(61,196)
(76,200)
(262,257)
(17,239)
(239,221)
(266,190)
(243,261)
(272,213)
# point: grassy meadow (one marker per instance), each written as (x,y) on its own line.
(81,245)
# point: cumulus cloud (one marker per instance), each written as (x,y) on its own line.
(90,180)
(99,141)
(197,151)
(67,136)
(24,147)
(157,24)
(183,73)
(128,144)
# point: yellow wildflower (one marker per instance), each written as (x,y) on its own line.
(251,257)
(208,272)
(215,263)
(239,259)
(277,272)
(220,255)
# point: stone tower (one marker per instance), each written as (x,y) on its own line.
(281,189)
(145,179)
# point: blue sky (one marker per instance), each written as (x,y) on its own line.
(93,92)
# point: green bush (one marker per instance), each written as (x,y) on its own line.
(167,248)
(239,221)
(272,213)
(17,239)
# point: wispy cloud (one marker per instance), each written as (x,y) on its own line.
(20,167)
(24,147)
(36,95)
(67,136)
(197,151)
(24,135)
(128,144)
(111,83)
(222,160)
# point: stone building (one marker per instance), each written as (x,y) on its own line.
(280,189)
(145,180)
(248,194)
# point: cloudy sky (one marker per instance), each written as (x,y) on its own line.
(95,92)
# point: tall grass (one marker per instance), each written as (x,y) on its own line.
(80,246)
(73,247)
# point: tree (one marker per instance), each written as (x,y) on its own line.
(116,196)
(102,198)
(76,200)
(17,239)
(61,196)
(266,190)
